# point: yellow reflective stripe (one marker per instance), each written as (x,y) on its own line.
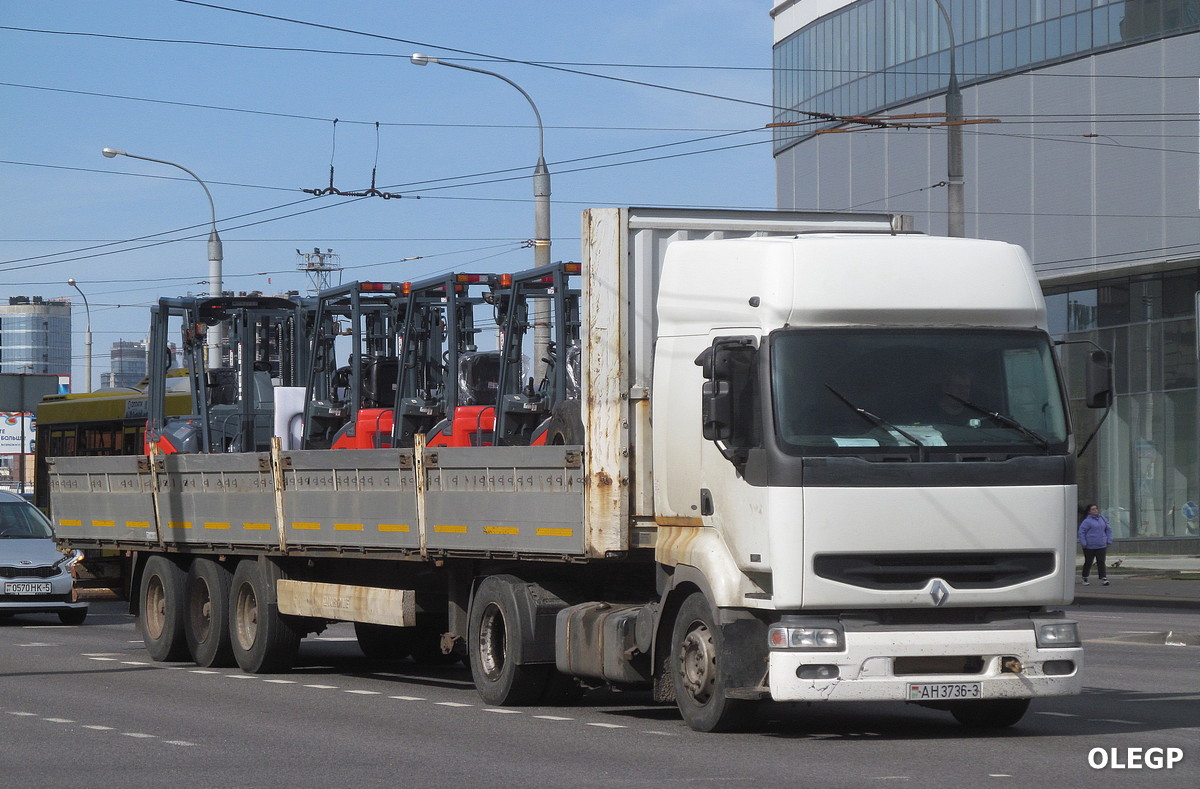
(393,527)
(501,530)
(546,532)
(216,525)
(309,526)
(449,529)
(179,524)
(347,527)
(65,522)
(257,526)
(138,524)
(104,524)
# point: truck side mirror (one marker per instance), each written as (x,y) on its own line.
(1098,378)
(727,397)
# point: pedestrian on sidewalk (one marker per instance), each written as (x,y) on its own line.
(1095,535)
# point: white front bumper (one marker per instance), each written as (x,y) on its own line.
(865,668)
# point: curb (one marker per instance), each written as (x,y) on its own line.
(1136,601)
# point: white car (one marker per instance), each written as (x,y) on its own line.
(37,577)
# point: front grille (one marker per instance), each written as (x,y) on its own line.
(29,572)
(912,571)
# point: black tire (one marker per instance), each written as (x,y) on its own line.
(263,640)
(74,616)
(493,628)
(383,642)
(206,625)
(989,713)
(697,672)
(565,427)
(161,610)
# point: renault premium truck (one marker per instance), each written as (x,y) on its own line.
(814,458)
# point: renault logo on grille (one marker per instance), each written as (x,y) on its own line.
(939,592)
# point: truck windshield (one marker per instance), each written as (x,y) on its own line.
(866,391)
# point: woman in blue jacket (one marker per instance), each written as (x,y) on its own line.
(1095,535)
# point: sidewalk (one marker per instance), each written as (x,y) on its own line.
(1143,580)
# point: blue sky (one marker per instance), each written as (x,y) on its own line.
(256,124)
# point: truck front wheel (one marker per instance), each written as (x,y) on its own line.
(263,640)
(989,713)
(493,631)
(698,674)
(161,610)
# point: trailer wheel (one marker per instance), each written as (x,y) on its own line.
(161,610)
(697,672)
(383,642)
(206,625)
(493,629)
(989,713)
(263,640)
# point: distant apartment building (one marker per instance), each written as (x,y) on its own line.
(35,335)
(127,365)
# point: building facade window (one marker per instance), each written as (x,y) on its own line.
(875,54)
(1143,468)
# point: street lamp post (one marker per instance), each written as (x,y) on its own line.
(541,211)
(955,222)
(87,337)
(214,249)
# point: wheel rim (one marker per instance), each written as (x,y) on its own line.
(698,662)
(156,607)
(200,609)
(492,642)
(246,610)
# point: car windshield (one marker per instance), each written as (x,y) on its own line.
(21,521)
(859,391)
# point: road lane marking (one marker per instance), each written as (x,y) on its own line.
(134,663)
(110,659)
(323,687)
(502,711)
(281,681)
(95,727)
(24,714)
(204,671)
(366,692)
(1059,714)
(453,704)
(553,718)
(138,735)
(57,720)
(178,742)
(407,698)
(608,725)
(1115,720)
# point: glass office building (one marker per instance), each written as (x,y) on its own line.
(1089,159)
(35,335)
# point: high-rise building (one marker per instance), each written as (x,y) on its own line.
(127,365)
(1081,147)
(35,335)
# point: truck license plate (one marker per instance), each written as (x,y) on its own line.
(26,587)
(943,691)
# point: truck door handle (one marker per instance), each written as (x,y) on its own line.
(706,502)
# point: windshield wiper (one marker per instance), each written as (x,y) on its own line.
(877,421)
(1007,421)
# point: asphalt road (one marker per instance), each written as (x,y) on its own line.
(86,707)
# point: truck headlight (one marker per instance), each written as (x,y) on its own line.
(785,636)
(1058,634)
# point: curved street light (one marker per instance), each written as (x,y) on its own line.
(87,337)
(215,254)
(955,222)
(541,209)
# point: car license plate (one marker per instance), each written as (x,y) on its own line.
(943,691)
(26,587)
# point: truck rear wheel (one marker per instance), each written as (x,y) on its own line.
(989,713)
(206,625)
(263,641)
(161,610)
(493,632)
(698,674)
